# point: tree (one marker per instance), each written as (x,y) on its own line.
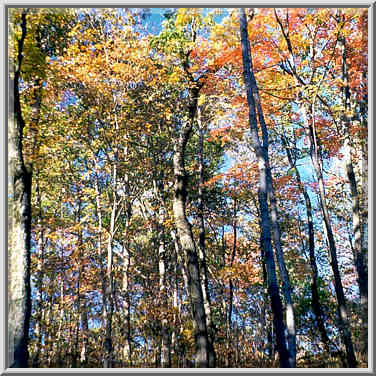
(19,294)
(261,151)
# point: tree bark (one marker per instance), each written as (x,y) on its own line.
(201,246)
(185,235)
(265,223)
(19,291)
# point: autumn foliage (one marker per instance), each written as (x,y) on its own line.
(106,95)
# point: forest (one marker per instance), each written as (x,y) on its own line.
(187,187)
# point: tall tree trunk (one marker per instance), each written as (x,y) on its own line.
(286,285)
(127,352)
(265,223)
(165,350)
(316,161)
(19,291)
(201,247)
(75,355)
(355,198)
(231,297)
(185,235)
(56,345)
(40,275)
(109,306)
(175,283)
(343,321)
(316,305)
(165,353)
(106,278)
(115,211)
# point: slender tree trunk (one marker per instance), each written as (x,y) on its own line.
(231,297)
(316,161)
(316,305)
(127,352)
(363,109)
(85,332)
(364,214)
(355,197)
(19,292)
(106,282)
(165,342)
(75,355)
(40,275)
(202,253)
(109,307)
(268,326)
(343,321)
(265,223)
(175,283)
(58,346)
(286,285)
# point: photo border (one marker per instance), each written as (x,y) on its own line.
(4,6)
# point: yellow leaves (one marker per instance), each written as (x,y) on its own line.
(181,19)
(201,100)
(89,191)
(119,67)
(218,30)
(188,15)
(174,78)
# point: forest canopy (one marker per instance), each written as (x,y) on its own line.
(188,187)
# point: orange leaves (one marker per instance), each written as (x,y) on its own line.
(287,187)
(238,100)
(243,273)
(227,58)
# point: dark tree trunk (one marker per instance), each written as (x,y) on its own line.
(265,223)
(360,267)
(19,292)
(231,294)
(286,285)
